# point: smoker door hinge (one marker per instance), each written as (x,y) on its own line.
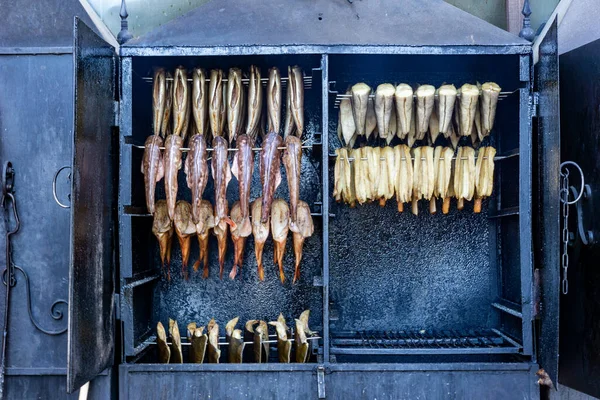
(535,102)
(536,295)
(116,112)
(321,382)
(117,306)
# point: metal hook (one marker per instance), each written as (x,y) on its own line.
(581,190)
(54,186)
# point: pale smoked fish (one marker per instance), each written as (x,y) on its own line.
(393,127)
(403,97)
(164,352)
(239,242)
(443,166)
(434,126)
(255,100)
(464,175)
(404,184)
(180,100)
(172,161)
(235,341)
(176,353)
(490,92)
(234,103)
(196,172)
(373,162)
(280,218)
(159,97)
(200,102)
(242,168)
(425,99)
(362,185)
(445,109)
(384,104)
(213,351)
(206,221)
(220,231)
(168,108)
(270,171)
(301,339)
(305,229)
(292,160)
(185,228)
(289,126)
(274,100)
(469,97)
(360,96)
(371,124)
(391,163)
(216,106)
(260,231)
(296,82)
(346,118)
(382,184)
(221,173)
(153,168)
(259,335)
(423,176)
(188,123)
(484,176)
(284,344)
(162,228)
(199,340)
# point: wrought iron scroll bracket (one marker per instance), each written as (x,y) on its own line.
(55,312)
(124,35)
(527,32)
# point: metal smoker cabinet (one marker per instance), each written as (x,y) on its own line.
(473,322)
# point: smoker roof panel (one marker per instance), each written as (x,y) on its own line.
(235,23)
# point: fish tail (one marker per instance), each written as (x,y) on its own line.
(446,205)
(258,251)
(382,202)
(296,272)
(230,222)
(196,265)
(233,272)
(432,206)
(477,205)
(280,253)
(400,207)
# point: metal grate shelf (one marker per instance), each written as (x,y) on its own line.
(481,341)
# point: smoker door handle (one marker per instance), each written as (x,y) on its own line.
(56,174)
(586,235)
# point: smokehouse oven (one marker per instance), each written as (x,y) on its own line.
(379,160)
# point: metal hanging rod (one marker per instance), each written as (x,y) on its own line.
(257,149)
(351,159)
(245,81)
(186,343)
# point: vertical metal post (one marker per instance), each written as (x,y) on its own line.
(325,208)
(124,35)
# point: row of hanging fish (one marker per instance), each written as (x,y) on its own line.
(185,226)
(369,174)
(205,346)
(213,106)
(421,114)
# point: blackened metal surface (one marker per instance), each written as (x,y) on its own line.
(218,381)
(548,204)
(91,277)
(431,381)
(27,23)
(579,365)
(36,136)
(53,386)
(327,22)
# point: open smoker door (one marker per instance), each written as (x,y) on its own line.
(547,235)
(91,275)
(580,307)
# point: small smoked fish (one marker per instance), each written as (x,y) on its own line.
(305,229)
(185,228)
(159,97)
(289,127)
(274,100)
(234,103)
(254,102)
(260,337)
(292,160)
(221,173)
(176,353)
(360,97)
(199,340)
(260,231)
(180,101)
(168,109)
(200,101)
(404,109)
(172,161)
(164,352)
(206,222)
(214,353)
(301,339)
(239,242)
(196,172)
(284,344)
(296,84)
(216,105)
(152,168)
(242,168)
(270,172)
(235,341)
(162,228)
(280,219)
